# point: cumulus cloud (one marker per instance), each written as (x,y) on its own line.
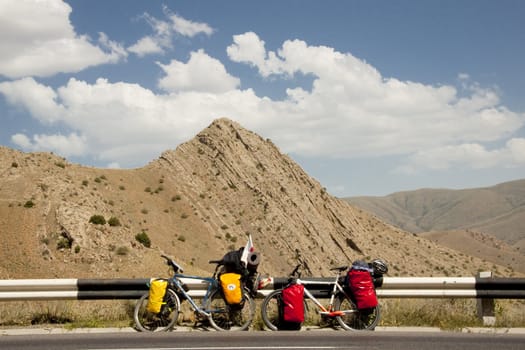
(37,39)
(467,155)
(202,73)
(98,112)
(65,145)
(38,99)
(146,46)
(349,111)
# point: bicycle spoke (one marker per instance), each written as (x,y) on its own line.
(355,319)
(164,320)
(230,317)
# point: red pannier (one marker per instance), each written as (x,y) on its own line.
(362,287)
(293,309)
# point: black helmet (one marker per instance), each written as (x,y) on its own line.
(380,266)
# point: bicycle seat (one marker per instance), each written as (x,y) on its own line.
(339,268)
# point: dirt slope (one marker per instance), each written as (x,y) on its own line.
(194,203)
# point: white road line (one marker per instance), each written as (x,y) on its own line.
(232,348)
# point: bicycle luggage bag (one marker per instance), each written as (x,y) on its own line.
(293,309)
(231,287)
(157,290)
(362,287)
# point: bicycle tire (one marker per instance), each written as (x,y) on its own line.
(271,313)
(224,317)
(270,310)
(165,320)
(355,319)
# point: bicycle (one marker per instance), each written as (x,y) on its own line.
(341,307)
(221,316)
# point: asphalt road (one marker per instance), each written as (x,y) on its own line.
(203,340)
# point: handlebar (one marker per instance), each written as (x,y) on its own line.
(170,262)
(296,273)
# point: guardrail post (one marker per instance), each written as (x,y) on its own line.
(485,306)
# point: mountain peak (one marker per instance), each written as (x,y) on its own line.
(195,203)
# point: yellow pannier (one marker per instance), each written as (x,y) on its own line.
(157,290)
(231,287)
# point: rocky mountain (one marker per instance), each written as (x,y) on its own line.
(64,220)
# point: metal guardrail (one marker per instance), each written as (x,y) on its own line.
(391,287)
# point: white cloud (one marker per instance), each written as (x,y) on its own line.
(247,48)
(350,110)
(121,122)
(37,39)
(189,28)
(70,145)
(145,46)
(164,31)
(39,100)
(202,73)
(156,43)
(468,155)
(22,140)
(516,148)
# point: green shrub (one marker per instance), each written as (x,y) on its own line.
(29,204)
(14,165)
(143,239)
(113,221)
(97,220)
(122,250)
(64,243)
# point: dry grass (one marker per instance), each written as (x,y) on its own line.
(72,313)
(449,314)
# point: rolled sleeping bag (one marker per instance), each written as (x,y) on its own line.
(254,258)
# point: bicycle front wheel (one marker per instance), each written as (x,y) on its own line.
(225,317)
(146,321)
(270,312)
(353,318)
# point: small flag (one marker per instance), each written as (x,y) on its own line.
(247,250)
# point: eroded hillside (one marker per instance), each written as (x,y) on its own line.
(194,203)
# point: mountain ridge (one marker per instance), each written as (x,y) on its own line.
(498,207)
(464,220)
(195,203)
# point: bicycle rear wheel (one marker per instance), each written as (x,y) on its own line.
(224,317)
(355,319)
(146,321)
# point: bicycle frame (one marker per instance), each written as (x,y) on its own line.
(212,285)
(322,309)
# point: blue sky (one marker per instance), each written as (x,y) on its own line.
(369,97)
